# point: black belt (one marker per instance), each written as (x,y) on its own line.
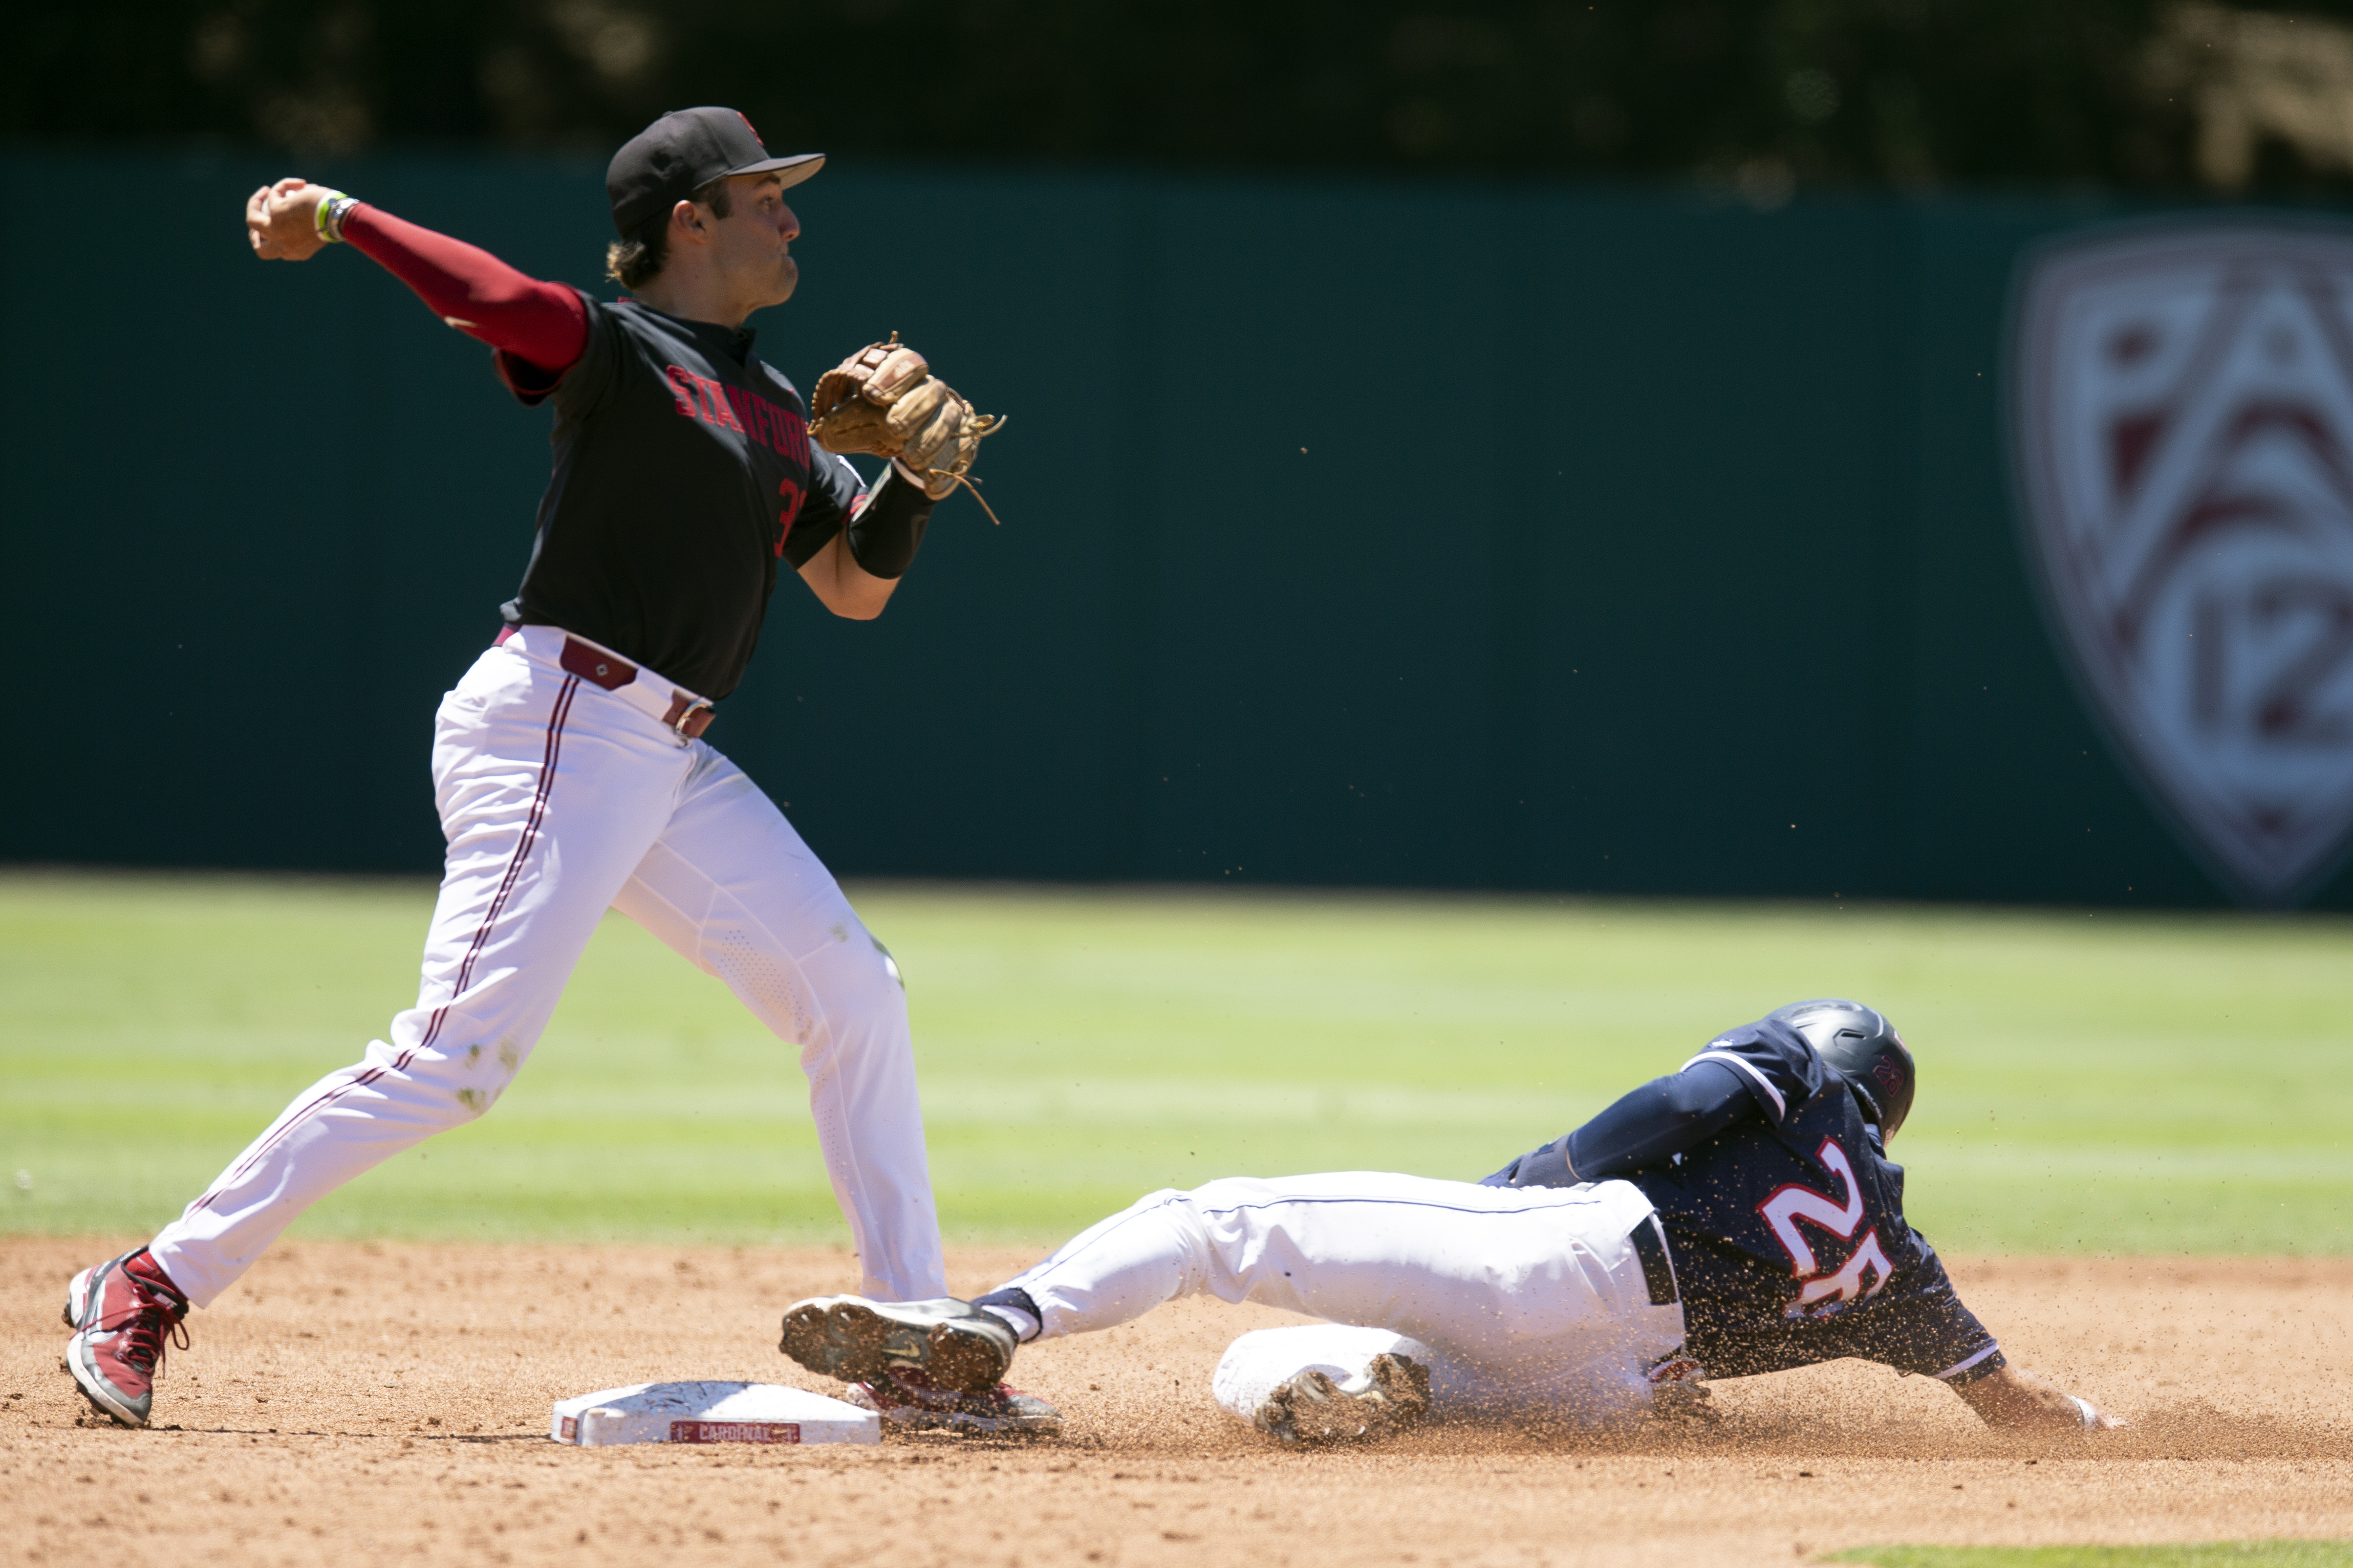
(1650,1241)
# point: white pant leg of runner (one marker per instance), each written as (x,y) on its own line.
(731,886)
(1531,1301)
(550,790)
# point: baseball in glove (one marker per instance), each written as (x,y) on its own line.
(885,402)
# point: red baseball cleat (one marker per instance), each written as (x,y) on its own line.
(123,1313)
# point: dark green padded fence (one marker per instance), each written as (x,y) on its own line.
(1415,535)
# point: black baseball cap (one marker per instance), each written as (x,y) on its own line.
(684,151)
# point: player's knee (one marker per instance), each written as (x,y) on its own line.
(473,1101)
(867,983)
(1173,1207)
(448,1089)
(442,1104)
(885,969)
(1225,1192)
(852,998)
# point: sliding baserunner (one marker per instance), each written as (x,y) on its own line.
(568,764)
(1737,1217)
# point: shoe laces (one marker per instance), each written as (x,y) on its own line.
(155,1324)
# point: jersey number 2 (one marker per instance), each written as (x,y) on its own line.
(1791,1203)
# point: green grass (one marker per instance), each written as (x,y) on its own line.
(2219,1554)
(2108,1083)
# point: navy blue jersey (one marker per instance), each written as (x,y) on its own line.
(1788,1236)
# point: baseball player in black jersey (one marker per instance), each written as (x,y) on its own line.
(1737,1217)
(568,763)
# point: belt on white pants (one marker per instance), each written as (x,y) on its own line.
(682,712)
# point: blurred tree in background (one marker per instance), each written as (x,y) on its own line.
(1755,94)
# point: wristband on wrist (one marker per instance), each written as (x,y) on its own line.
(887,531)
(2091,1416)
(334,207)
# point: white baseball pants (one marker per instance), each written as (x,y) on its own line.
(1520,1302)
(561,799)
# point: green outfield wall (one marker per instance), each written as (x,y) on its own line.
(1402,534)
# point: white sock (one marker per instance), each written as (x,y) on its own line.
(1025,1327)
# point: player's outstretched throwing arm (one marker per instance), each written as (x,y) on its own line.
(1765,1155)
(850,546)
(545,325)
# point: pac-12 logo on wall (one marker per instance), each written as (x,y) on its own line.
(2182,403)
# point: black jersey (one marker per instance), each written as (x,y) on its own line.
(1788,1230)
(683,476)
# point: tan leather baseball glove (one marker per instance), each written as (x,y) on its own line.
(885,402)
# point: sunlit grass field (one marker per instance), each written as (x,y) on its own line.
(2223,1554)
(2089,1082)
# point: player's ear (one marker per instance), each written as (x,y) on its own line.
(685,222)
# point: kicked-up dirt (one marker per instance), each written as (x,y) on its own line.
(389,1403)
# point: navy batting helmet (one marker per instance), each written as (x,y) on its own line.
(1866,1050)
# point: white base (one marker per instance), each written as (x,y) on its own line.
(709,1413)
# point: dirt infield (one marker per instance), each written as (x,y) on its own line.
(393,1400)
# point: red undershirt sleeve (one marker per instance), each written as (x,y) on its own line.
(544,324)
